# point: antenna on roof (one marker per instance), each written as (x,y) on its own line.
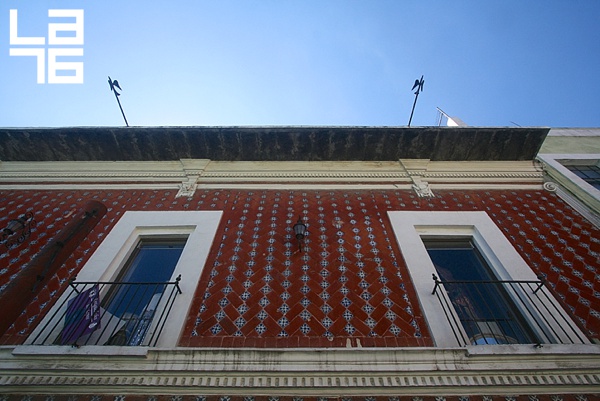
(115,84)
(440,116)
(446,120)
(419,85)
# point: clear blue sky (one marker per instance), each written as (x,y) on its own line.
(313,62)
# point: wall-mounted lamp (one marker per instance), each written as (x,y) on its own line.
(300,231)
(17,230)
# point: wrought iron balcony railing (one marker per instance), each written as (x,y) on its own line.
(505,312)
(110,313)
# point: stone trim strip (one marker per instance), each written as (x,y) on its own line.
(210,383)
(421,370)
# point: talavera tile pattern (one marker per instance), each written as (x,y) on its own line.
(348,286)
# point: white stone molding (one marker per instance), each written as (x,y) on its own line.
(416,170)
(187,189)
(193,169)
(422,189)
(573,189)
(550,186)
(186,176)
(378,371)
(593,216)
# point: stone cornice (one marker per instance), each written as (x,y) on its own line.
(409,371)
(204,172)
(270,143)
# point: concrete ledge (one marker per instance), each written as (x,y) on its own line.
(271,143)
(88,350)
(360,371)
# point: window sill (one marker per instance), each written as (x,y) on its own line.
(470,350)
(91,350)
(529,349)
(498,369)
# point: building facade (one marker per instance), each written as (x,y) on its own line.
(293,263)
(571,158)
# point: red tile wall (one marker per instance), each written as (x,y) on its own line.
(348,286)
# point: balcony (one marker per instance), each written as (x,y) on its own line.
(109,313)
(505,312)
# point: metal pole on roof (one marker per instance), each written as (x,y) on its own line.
(419,86)
(115,84)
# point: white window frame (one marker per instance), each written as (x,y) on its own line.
(559,162)
(411,227)
(113,253)
(590,196)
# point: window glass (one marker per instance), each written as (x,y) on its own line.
(486,311)
(140,286)
(590,174)
(153,261)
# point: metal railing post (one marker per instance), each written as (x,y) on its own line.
(126,317)
(537,305)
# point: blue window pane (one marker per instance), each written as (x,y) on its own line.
(152,262)
(487,313)
(591,174)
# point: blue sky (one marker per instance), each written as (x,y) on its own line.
(304,62)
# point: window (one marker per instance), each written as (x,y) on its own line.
(140,288)
(153,261)
(482,302)
(429,238)
(154,246)
(588,173)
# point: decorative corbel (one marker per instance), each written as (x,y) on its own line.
(422,188)
(188,187)
(416,169)
(192,169)
(550,186)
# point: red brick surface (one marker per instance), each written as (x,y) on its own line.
(348,285)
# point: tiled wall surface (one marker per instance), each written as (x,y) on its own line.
(348,286)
